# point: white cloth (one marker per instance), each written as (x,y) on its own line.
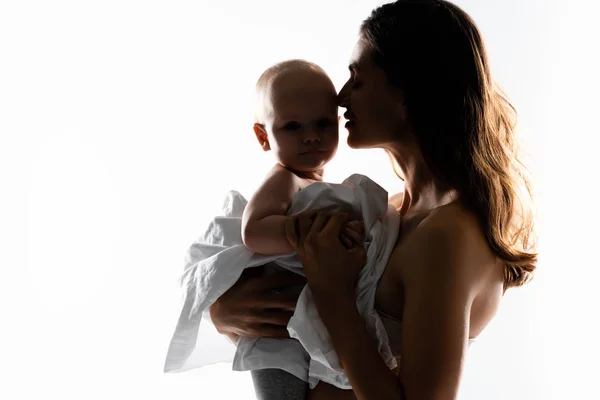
(216,261)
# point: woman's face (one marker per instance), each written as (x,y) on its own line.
(375,110)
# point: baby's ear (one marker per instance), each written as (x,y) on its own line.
(261,136)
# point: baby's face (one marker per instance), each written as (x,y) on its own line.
(303,125)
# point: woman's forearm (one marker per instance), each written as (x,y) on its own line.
(369,376)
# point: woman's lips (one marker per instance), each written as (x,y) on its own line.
(348,115)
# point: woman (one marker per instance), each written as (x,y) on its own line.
(420,88)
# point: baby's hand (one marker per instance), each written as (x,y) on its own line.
(353,234)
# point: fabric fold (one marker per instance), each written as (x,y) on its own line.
(216,261)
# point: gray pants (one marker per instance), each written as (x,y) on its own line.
(277,384)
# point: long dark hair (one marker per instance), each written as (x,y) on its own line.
(464,124)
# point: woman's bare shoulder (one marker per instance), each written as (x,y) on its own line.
(453,222)
(449,240)
(460,239)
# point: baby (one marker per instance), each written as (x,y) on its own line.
(296,118)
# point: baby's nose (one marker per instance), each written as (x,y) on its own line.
(311,136)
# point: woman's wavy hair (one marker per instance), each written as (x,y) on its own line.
(464,124)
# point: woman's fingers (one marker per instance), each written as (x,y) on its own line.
(312,223)
(268,330)
(278,280)
(291,232)
(335,225)
(296,229)
(319,222)
(258,305)
(274,317)
(285,300)
(361,255)
(304,225)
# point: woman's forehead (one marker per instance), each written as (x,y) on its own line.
(360,56)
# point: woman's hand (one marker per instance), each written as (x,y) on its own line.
(255,307)
(331,268)
(351,235)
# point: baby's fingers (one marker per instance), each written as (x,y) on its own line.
(355,237)
(346,240)
(356,225)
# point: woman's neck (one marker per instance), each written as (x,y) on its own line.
(422,191)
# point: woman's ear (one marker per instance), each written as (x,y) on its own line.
(261,136)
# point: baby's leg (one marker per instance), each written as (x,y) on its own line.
(277,384)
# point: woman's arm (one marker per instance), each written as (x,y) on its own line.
(368,374)
(252,308)
(440,287)
(439,290)
(326,261)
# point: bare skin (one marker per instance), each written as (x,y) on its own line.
(251,309)
(442,280)
(451,228)
(433,338)
(265,215)
(301,131)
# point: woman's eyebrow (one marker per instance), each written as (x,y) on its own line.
(353,66)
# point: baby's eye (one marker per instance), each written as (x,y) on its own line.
(292,126)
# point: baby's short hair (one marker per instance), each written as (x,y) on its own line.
(268,78)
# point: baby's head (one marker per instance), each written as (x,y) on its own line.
(296,115)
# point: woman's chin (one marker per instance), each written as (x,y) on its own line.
(352,142)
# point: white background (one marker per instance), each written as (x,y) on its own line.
(123,124)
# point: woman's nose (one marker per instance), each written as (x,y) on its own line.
(342,97)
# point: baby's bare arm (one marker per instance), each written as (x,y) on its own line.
(263,222)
